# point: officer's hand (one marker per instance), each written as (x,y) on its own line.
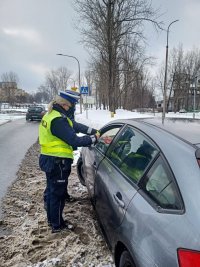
(97,135)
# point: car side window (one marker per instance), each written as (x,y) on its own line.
(106,138)
(160,186)
(132,153)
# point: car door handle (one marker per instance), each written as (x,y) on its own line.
(118,199)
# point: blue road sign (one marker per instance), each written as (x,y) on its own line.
(84,90)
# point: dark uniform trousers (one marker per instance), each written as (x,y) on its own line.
(57,181)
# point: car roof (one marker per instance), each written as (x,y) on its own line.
(186,129)
(35,107)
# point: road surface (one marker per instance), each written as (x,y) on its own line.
(15,139)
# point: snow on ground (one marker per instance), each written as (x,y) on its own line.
(97,118)
(10,117)
(27,240)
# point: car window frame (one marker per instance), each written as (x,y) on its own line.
(116,139)
(150,200)
(105,129)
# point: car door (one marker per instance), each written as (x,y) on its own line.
(118,174)
(153,218)
(93,155)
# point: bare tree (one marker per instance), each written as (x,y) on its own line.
(57,80)
(108,23)
(183,68)
(43,94)
(101,83)
(10,77)
(132,65)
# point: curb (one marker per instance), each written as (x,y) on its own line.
(5,122)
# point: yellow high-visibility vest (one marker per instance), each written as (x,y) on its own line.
(50,144)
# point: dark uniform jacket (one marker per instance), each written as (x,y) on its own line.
(61,129)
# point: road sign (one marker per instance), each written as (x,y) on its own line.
(84,90)
(74,88)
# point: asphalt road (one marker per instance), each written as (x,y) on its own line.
(15,139)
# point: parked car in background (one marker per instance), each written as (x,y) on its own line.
(35,113)
(182,110)
(144,181)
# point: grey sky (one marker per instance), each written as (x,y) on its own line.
(185,31)
(33,31)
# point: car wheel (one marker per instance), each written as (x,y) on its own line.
(80,171)
(126,260)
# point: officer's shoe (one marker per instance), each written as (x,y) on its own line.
(64,227)
(67,227)
(56,230)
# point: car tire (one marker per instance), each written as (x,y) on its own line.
(126,260)
(80,171)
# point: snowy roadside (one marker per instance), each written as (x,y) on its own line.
(28,241)
(97,118)
(4,118)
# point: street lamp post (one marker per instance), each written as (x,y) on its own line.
(194,103)
(165,79)
(79,76)
(194,81)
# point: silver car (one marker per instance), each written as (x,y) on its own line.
(144,182)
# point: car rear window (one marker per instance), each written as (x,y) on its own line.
(35,109)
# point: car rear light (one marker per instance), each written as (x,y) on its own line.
(197,154)
(198,161)
(188,258)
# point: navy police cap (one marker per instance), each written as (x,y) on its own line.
(72,97)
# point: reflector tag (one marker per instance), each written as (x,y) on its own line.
(188,258)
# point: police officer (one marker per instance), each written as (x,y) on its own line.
(70,113)
(57,138)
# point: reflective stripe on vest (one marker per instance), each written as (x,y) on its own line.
(50,144)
